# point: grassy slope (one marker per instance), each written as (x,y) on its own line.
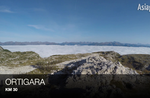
(45,65)
(18,58)
(139,62)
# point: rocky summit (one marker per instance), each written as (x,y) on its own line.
(95,76)
(99,65)
(94,64)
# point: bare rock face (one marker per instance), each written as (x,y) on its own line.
(94,64)
(99,65)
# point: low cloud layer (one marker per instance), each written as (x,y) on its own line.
(48,50)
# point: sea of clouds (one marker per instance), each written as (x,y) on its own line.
(48,50)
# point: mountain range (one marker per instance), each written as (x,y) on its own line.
(76,43)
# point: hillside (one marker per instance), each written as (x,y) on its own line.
(8,58)
(1,49)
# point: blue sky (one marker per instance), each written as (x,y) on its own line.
(74,21)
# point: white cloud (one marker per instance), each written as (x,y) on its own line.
(35,26)
(48,50)
(5,9)
(41,27)
(39,10)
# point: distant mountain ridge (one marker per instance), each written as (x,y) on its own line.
(76,43)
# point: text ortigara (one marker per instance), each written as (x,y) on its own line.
(26,81)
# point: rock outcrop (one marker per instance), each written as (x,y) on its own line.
(99,77)
(94,64)
(99,65)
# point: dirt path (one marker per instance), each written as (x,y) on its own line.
(16,70)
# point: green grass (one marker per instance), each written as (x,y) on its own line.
(137,62)
(18,58)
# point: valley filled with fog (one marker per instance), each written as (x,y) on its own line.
(48,50)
